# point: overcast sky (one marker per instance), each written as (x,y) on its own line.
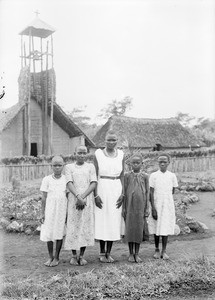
(160,53)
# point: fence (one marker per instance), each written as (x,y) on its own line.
(192,164)
(34,171)
(23,172)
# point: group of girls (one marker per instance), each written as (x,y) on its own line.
(94,200)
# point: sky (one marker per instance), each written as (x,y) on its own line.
(158,52)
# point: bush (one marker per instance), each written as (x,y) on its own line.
(39,159)
(201,185)
(70,157)
(15,206)
(21,208)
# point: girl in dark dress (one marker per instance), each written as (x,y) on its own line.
(135,207)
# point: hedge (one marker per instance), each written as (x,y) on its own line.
(90,157)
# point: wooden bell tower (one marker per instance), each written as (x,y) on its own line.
(37,80)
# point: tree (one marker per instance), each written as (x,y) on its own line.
(205,130)
(116,108)
(78,116)
(184,118)
(202,128)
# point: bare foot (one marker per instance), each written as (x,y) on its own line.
(164,256)
(109,258)
(137,258)
(54,263)
(131,258)
(102,258)
(74,261)
(157,254)
(48,262)
(82,261)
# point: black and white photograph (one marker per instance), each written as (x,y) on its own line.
(107,149)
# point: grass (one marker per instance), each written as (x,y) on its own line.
(147,280)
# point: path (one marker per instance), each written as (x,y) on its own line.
(203,209)
(23,256)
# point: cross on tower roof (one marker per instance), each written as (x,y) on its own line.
(37,13)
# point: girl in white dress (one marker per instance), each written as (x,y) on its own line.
(109,195)
(81,181)
(54,206)
(161,221)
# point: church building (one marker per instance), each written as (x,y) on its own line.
(37,124)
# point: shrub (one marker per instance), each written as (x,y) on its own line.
(39,159)
(70,157)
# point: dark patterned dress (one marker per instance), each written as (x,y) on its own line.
(135,205)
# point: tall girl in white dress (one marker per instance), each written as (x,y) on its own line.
(109,195)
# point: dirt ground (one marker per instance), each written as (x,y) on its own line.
(23,256)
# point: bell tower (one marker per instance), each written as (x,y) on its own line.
(37,80)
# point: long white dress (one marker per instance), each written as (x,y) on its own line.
(55,209)
(80,223)
(108,219)
(163,184)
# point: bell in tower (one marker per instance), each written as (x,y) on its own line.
(37,81)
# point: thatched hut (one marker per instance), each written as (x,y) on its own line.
(148,134)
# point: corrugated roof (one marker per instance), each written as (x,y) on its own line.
(38,28)
(7,115)
(146,133)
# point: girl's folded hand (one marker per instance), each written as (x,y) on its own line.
(146,214)
(154,214)
(98,201)
(42,219)
(124,214)
(119,201)
(80,203)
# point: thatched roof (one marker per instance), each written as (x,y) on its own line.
(59,116)
(146,133)
(38,28)
(65,122)
(7,115)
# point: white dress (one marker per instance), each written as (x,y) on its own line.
(80,223)
(55,209)
(163,184)
(108,219)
